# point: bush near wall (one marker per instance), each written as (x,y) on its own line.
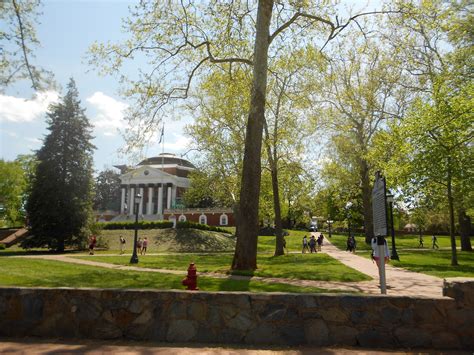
(193,225)
(2,246)
(131,225)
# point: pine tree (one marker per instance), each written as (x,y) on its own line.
(60,203)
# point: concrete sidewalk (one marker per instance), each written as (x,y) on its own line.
(400,282)
(33,346)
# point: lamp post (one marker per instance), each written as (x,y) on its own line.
(394,255)
(348,209)
(134,259)
(329,222)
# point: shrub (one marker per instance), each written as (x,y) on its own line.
(131,225)
(188,224)
(2,246)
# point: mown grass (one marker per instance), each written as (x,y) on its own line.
(23,272)
(435,262)
(294,266)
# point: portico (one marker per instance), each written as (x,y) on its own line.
(161,185)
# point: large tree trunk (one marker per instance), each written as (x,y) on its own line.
(276,207)
(454,257)
(245,256)
(465,230)
(366,201)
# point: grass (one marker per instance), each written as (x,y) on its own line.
(24,272)
(435,262)
(295,266)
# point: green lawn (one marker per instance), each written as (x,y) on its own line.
(436,262)
(44,273)
(295,266)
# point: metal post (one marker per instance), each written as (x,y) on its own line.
(134,259)
(394,255)
(381,252)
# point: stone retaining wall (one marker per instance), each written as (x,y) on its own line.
(286,319)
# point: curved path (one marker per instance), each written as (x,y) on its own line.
(400,282)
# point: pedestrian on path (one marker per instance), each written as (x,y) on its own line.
(350,244)
(305,245)
(312,244)
(420,242)
(375,251)
(122,244)
(320,241)
(434,240)
(92,243)
(144,246)
(139,245)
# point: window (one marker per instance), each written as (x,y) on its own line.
(182,218)
(224,220)
(203,219)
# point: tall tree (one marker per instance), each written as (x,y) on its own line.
(183,38)
(437,133)
(17,41)
(362,95)
(60,204)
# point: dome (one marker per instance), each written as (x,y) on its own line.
(167,159)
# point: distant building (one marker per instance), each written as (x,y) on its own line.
(162,181)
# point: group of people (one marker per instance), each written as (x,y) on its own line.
(312,243)
(142,245)
(434,242)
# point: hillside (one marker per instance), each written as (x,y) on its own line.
(170,240)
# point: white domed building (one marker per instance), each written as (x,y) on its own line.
(161,182)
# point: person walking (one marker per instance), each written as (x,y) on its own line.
(375,251)
(420,242)
(144,246)
(122,244)
(320,241)
(139,245)
(92,243)
(434,241)
(305,245)
(312,244)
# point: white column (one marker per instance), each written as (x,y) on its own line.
(140,207)
(131,202)
(122,201)
(168,199)
(160,201)
(173,195)
(149,207)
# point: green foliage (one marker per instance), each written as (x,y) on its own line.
(60,203)
(2,246)
(131,225)
(188,224)
(13,186)
(17,40)
(107,191)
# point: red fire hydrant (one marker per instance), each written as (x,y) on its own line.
(191,278)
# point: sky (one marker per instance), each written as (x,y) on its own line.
(66,30)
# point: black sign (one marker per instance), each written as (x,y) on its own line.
(379,206)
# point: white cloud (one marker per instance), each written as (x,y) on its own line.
(180,143)
(109,118)
(16,109)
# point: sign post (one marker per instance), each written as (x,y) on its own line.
(379,211)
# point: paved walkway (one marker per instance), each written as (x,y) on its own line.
(35,346)
(400,282)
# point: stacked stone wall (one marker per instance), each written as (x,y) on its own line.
(242,318)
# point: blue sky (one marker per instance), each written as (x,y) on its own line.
(66,31)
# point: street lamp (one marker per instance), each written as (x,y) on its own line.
(134,259)
(348,209)
(329,222)
(392,230)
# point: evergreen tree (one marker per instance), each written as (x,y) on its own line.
(60,203)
